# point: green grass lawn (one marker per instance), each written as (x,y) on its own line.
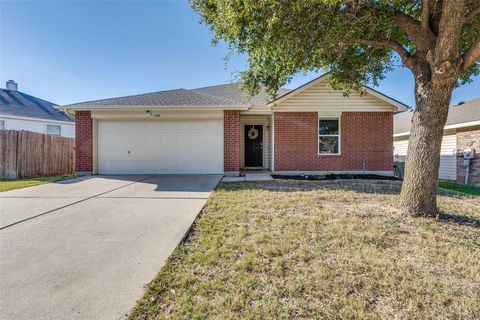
(460,188)
(6,185)
(320,250)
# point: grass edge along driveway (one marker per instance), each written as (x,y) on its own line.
(313,250)
(7,185)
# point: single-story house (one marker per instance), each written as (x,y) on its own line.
(219,130)
(20,111)
(462,130)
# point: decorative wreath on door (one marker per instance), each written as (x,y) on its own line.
(252,133)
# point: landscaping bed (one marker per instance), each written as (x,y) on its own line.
(336,177)
(320,250)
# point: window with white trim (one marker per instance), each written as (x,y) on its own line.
(2,124)
(329,135)
(54,129)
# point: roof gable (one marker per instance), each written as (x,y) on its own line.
(317,95)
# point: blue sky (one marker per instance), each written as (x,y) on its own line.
(71,51)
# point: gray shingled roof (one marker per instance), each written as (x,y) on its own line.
(19,104)
(220,95)
(234,95)
(457,114)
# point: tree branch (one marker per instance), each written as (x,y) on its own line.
(397,47)
(426,15)
(407,24)
(424,38)
(471,14)
(450,30)
(472,55)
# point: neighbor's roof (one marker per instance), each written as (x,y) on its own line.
(19,104)
(220,95)
(458,115)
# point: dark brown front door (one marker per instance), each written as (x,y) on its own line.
(253,145)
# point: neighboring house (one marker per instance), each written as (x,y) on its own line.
(462,130)
(218,130)
(20,111)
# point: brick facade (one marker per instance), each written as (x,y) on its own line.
(366,142)
(469,138)
(231,143)
(83,142)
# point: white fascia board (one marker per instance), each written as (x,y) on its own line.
(258,109)
(155,107)
(398,105)
(37,119)
(452,126)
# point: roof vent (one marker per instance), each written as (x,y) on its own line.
(11,85)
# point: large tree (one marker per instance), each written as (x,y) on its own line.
(359,41)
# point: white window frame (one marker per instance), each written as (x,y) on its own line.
(4,125)
(339,135)
(56,125)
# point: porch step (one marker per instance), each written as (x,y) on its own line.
(259,176)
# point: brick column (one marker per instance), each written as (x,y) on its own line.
(231,142)
(83,143)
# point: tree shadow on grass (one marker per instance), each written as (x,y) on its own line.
(459,219)
(355,185)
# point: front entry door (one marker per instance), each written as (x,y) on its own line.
(253,146)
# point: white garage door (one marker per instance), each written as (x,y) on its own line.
(161,147)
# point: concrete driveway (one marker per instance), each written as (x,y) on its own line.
(84,248)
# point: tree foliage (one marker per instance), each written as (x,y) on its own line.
(357,40)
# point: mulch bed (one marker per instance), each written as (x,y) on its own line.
(336,177)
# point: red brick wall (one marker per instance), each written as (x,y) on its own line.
(366,142)
(469,138)
(231,136)
(83,141)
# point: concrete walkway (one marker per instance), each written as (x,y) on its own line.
(84,248)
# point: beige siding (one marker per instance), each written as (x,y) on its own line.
(256,120)
(400,150)
(318,97)
(448,161)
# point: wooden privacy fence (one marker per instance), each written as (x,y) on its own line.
(25,154)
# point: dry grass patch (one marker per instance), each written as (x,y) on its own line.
(320,250)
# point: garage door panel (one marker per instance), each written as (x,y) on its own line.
(167,167)
(114,167)
(198,153)
(167,154)
(114,153)
(200,139)
(183,140)
(160,147)
(144,153)
(143,166)
(184,154)
(212,139)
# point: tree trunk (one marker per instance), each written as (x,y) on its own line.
(419,189)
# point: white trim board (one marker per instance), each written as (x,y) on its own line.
(451,126)
(38,119)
